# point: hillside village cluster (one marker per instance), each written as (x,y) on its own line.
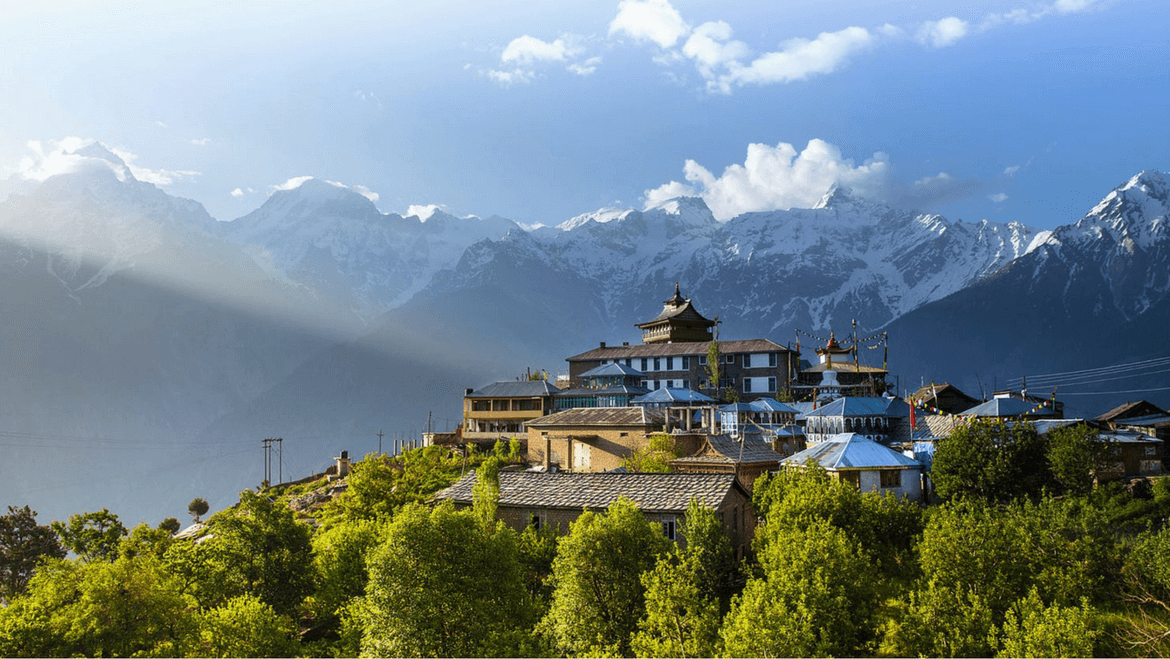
(579,433)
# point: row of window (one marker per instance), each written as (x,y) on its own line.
(683,363)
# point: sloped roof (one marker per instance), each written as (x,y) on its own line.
(851,451)
(671,395)
(1144,421)
(611,390)
(1006,407)
(856,406)
(737,407)
(772,405)
(691,348)
(726,450)
(516,389)
(1127,411)
(601,416)
(650,492)
(612,369)
(843,367)
(684,311)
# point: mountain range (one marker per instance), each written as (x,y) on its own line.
(149,348)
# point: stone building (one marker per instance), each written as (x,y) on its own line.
(558,499)
(591,439)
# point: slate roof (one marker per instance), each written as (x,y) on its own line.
(671,395)
(681,309)
(723,449)
(851,451)
(516,389)
(1133,409)
(676,349)
(650,492)
(601,416)
(1144,421)
(613,369)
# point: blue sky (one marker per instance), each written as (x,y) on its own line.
(1008,110)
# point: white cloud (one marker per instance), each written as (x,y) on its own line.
(201,142)
(649,20)
(72,154)
(160,124)
(799,58)
(237,193)
(585,68)
(527,49)
(776,177)
(508,78)
(711,47)
(291,184)
(368,97)
(943,32)
(998,197)
(1011,171)
(366,192)
(779,177)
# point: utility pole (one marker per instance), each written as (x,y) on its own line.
(268,459)
(380,433)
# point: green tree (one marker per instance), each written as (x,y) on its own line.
(1073,454)
(680,620)
(263,550)
(170,525)
(145,540)
(128,607)
(708,552)
(655,457)
(598,596)
(815,598)
(538,550)
(992,460)
(713,366)
(381,484)
(443,585)
(1031,629)
(23,545)
(93,536)
(198,508)
(243,626)
(340,559)
(942,621)
(485,494)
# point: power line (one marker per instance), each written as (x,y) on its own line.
(1114,368)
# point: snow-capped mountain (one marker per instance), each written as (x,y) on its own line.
(767,273)
(1086,295)
(334,242)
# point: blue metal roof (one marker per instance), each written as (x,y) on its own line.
(772,405)
(671,395)
(1007,407)
(613,369)
(852,451)
(738,407)
(515,389)
(856,406)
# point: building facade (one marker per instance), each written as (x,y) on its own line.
(499,410)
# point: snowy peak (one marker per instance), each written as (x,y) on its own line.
(837,195)
(1131,216)
(686,211)
(600,216)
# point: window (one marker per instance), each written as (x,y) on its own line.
(772,359)
(628,362)
(645,384)
(729,359)
(668,527)
(747,385)
(643,369)
(771,385)
(702,360)
(658,363)
(686,363)
(704,383)
(670,363)
(1151,450)
(535,521)
(851,477)
(891,478)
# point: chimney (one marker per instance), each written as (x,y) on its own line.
(603,344)
(468,392)
(625,344)
(547,452)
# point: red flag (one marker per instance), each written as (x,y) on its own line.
(913,422)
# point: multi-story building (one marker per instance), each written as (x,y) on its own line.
(499,410)
(673,354)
